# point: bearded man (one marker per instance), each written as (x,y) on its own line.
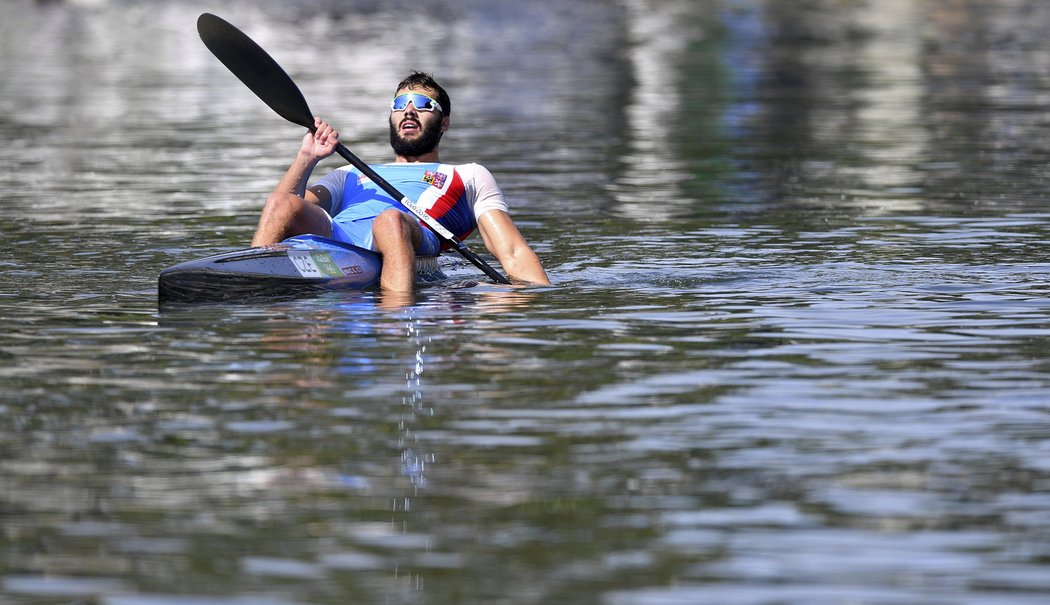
(347,206)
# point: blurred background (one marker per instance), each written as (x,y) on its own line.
(795,351)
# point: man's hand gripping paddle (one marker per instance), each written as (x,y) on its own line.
(263,76)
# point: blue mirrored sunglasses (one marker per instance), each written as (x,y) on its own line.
(420,101)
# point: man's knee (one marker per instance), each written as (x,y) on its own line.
(285,207)
(394,227)
(285,215)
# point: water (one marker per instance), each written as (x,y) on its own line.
(796,351)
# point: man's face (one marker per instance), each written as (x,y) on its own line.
(414,132)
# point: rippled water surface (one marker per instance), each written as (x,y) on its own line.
(797,350)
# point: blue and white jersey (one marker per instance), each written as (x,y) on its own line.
(455,195)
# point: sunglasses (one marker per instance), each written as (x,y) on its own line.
(420,101)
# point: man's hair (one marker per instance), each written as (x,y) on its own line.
(418,79)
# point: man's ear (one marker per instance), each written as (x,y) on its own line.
(445,120)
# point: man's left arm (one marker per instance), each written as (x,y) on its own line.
(504,241)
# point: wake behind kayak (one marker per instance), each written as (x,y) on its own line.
(296,266)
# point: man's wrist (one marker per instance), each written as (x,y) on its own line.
(307,159)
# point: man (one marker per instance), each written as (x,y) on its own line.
(348,207)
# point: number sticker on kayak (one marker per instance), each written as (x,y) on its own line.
(314,264)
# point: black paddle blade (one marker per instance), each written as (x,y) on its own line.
(253,66)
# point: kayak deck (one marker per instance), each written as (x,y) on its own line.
(296,266)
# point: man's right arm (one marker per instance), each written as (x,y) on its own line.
(315,146)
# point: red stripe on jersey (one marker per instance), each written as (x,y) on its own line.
(447,202)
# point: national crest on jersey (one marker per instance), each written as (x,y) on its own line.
(434,178)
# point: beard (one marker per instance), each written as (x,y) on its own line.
(424,144)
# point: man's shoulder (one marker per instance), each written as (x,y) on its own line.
(472,171)
(468,166)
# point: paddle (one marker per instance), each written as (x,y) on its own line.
(260,73)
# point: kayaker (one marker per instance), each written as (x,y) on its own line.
(348,207)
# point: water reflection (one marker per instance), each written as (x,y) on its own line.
(887,122)
(659,36)
(313,346)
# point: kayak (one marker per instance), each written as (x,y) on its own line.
(296,266)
